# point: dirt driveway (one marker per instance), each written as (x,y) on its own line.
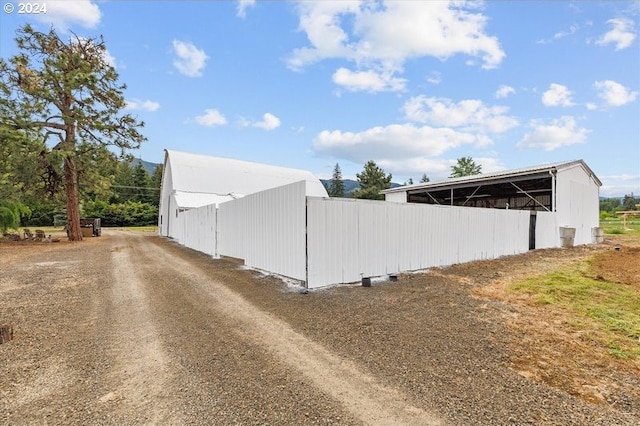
(131,328)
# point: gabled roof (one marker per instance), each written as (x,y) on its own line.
(505,174)
(200,179)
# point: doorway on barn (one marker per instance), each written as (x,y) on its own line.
(532,230)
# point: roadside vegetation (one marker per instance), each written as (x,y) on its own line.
(611,217)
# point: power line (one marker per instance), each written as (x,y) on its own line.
(136,187)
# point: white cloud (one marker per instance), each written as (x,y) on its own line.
(269,122)
(108,58)
(368,81)
(367,33)
(614,94)
(619,185)
(392,143)
(210,118)
(136,104)
(435,168)
(189,60)
(435,77)
(557,95)
(558,133)
(591,106)
(469,115)
(621,34)
(504,91)
(64,13)
(561,34)
(243,5)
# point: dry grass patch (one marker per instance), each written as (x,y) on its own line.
(576,326)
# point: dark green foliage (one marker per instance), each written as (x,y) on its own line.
(336,188)
(424,178)
(156,183)
(372,180)
(629,202)
(10,214)
(465,167)
(128,213)
(141,184)
(610,204)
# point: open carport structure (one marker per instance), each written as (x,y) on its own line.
(570,189)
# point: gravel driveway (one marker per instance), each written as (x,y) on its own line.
(131,328)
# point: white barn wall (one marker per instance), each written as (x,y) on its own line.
(351,239)
(164,209)
(175,227)
(267,230)
(577,203)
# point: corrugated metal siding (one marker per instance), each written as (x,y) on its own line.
(351,239)
(175,228)
(200,229)
(577,203)
(267,230)
(547,230)
(341,240)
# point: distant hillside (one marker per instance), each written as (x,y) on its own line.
(350,185)
(148,166)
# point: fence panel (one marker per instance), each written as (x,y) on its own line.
(267,230)
(547,230)
(200,229)
(351,239)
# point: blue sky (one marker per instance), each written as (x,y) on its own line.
(412,85)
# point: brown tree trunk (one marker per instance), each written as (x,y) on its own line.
(74,232)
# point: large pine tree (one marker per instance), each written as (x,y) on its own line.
(68,93)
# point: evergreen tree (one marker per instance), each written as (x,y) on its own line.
(372,180)
(336,188)
(409,181)
(123,183)
(156,184)
(629,202)
(424,178)
(141,183)
(66,91)
(465,167)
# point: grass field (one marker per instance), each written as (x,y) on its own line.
(616,226)
(606,309)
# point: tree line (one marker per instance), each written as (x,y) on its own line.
(374,179)
(610,206)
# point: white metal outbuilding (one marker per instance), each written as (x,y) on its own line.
(292,228)
(193,180)
(570,189)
